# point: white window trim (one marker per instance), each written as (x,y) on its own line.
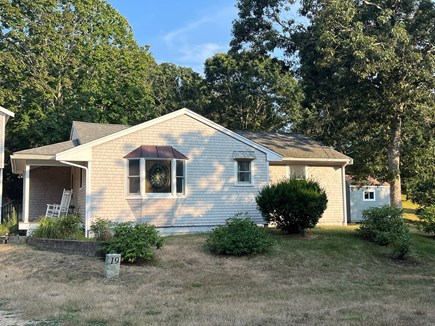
(367,191)
(236,177)
(143,193)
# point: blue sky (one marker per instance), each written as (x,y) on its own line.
(184,32)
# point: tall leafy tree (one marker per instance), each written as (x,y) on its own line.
(64,60)
(252,92)
(367,69)
(175,87)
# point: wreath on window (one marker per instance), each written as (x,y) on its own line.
(158,176)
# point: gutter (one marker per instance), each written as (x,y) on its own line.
(343,178)
(88,193)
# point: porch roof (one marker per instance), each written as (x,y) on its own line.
(52,149)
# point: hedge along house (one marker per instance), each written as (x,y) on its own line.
(4,117)
(366,194)
(181,172)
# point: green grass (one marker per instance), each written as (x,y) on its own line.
(329,277)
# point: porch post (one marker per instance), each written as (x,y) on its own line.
(26,189)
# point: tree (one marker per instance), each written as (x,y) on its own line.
(69,60)
(175,87)
(250,92)
(367,70)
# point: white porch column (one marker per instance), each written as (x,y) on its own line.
(26,190)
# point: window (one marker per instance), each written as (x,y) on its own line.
(157,176)
(244,172)
(181,179)
(368,195)
(297,171)
(134,176)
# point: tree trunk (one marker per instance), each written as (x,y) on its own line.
(394,163)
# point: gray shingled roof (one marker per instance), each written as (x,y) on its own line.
(52,149)
(88,131)
(293,145)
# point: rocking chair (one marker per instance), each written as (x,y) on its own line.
(56,210)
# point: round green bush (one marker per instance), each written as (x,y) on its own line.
(101,229)
(134,242)
(239,236)
(293,204)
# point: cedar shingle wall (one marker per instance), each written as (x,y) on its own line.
(329,178)
(211,195)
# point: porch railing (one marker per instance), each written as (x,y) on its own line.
(9,207)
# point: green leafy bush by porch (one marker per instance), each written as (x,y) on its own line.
(426,221)
(10,224)
(385,226)
(101,229)
(135,243)
(239,236)
(67,227)
(293,204)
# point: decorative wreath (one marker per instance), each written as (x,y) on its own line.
(158,176)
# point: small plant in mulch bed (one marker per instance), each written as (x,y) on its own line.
(135,243)
(239,236)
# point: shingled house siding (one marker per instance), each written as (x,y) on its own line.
(330,178)
(277,173)
(46,187)
(211,196)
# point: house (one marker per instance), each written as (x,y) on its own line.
(366,194)
(180,172)
(4,117)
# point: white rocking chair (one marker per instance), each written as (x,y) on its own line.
(56,210)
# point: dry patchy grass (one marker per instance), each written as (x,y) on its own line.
(329,277)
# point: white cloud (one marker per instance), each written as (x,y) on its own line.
(198,40)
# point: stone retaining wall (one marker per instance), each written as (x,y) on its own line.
(85,248)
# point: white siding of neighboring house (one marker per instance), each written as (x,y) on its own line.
(211,194)
(358,204)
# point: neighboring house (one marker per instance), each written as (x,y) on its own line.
(179,171)
(4,117)
(370,193)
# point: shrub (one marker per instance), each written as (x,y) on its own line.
(385,226)
(426,221)
(293,204)
(101,229)
(422,191)
(134,242)
(4,230)
(11,222)
(67,227)
(239,236)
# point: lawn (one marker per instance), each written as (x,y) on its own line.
(330,277)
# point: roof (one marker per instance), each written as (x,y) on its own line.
(293,145)
(52,149)
(370,181)
(86,132)
(156,152)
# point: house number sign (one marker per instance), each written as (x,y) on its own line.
(112,265)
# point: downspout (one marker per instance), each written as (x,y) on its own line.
(343,178)
(88,193)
